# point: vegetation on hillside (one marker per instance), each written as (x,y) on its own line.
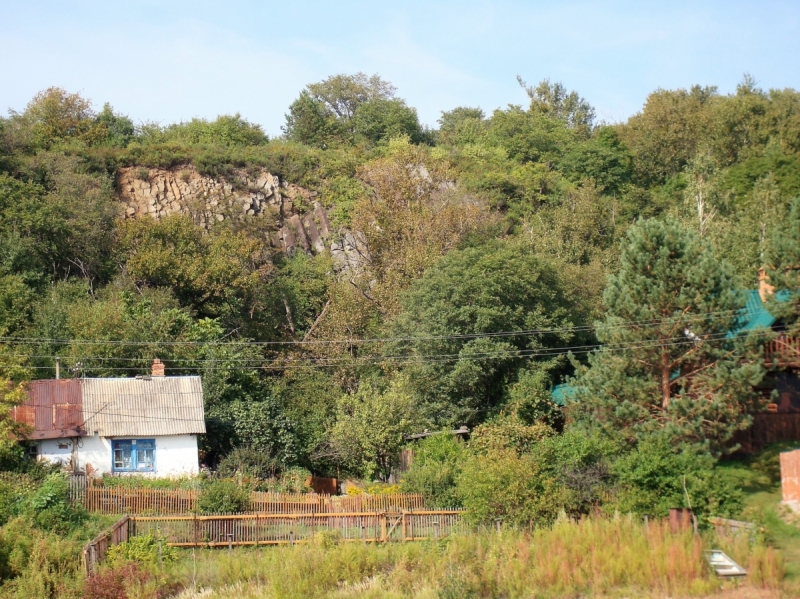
(502,254)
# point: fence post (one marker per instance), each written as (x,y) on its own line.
(160,555)
(383,528)
(497,524)
(435,529)
(411,525)
(291,538)
(230,543)
(404,526)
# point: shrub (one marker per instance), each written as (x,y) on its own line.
(130,581)
(249,463)
(49,507)
(433,471)
(504,484)
(657,476)
(142,549)
(223,496)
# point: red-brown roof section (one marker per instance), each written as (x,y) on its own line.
(54,409)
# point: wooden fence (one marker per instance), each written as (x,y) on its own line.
(275,529)
(768,427)
(164,502)
(95,551)
(285,529)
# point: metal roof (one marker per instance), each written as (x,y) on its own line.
(121,407)
(52,410)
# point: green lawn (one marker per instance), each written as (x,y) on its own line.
(760,479)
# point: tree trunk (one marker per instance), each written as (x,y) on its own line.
(665,374)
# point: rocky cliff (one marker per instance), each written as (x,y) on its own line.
(293,218)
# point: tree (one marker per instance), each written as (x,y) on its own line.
(665,135)
(370,427)
(552,99)
(54,115)
(461,125)
(325,112)
(225,130)
(411,216)
(671,363)
(219,273)
(343,94)
(459,369)
(382,120)
(261,426)
(783,268)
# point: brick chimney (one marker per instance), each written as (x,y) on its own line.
(764,288)
(158,367)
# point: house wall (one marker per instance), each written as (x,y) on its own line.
(176,455)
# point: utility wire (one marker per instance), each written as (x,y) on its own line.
(526,332)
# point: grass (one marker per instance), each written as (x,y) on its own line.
(760,479)
(596,557)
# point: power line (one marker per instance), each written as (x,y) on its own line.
(280,365)
(526,332)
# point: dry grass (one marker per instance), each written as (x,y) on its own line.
(596,557)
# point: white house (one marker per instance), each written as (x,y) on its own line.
(144,425)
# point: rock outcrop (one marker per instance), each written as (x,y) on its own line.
(293,218)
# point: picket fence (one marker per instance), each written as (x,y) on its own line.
(276,529)
(165,502)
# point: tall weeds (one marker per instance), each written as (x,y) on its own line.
(595,557)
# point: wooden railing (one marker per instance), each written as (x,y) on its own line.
(283,529)
(163,502)
(783,352)
(95,551)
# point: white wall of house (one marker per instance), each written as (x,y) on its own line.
(175,455)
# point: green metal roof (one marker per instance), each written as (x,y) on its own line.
(754,315)
(561,393)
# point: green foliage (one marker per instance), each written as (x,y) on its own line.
(223,496)
(669,366)
(461,126)
(370,426)
(49,507)
(260,426)
(435,465)
(657,476)
(143,549)
(350,109)
(226,130)
(471,293)
(783,268)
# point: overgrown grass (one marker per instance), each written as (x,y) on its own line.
(760,479)
(596,557)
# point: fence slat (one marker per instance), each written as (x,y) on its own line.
(166,502)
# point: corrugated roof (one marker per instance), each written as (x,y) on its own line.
(120,407)
(52,410)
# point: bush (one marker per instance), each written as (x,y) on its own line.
(130,581)
(50,509)
(223,496)
(142,549)
(433,471)
(249,463)
(657,476)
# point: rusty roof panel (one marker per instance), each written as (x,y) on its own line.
(118,407)
(53,408)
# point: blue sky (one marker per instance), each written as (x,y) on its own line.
(168,61)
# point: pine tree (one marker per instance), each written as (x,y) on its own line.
(783,270)
(669,364)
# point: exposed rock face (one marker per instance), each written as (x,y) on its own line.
(293,218)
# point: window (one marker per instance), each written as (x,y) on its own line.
(133,455)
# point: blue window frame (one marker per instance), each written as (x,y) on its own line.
(133,455)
